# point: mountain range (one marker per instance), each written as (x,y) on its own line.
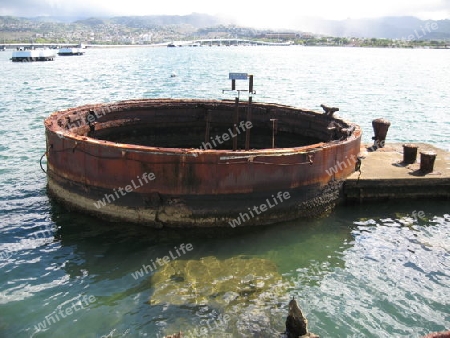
(398,27)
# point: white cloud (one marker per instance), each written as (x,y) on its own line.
(284,13)
(263,14)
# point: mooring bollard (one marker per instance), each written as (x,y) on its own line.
(409,153)
(427,161)
(380,128)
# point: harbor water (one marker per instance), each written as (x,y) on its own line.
(371,270)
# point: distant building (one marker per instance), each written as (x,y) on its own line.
(281,35)
(307,35)
(145,38)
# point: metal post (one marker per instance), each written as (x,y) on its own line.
(249,112)
(273,132)
(208,126)
(249,118)
(236,121)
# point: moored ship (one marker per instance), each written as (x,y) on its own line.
(68,51)
(30,55)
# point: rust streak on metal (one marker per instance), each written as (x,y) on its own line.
(167,137)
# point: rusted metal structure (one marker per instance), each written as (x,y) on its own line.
(170,162)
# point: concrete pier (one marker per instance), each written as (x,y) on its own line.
(384,176)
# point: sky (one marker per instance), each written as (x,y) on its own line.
(280,13)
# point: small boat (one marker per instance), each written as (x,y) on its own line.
(29,55)
(178,44)
(70,51)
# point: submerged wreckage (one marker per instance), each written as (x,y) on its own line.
(194,163)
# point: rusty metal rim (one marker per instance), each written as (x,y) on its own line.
(190,152)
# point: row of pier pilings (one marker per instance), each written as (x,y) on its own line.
(427,158)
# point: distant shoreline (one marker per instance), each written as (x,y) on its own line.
(395,44)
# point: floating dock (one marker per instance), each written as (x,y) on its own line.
(384,176)
(31,55)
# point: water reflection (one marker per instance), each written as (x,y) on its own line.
(362,271)
(248,274)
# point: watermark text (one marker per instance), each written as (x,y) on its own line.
(259,209)
(109,198)
(159,262)
(422,32)
(54,317)
(220,139)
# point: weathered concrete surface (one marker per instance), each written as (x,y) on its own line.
(384,176)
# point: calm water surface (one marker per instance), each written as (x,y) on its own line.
(380,270)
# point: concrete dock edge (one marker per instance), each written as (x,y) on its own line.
(384,176)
